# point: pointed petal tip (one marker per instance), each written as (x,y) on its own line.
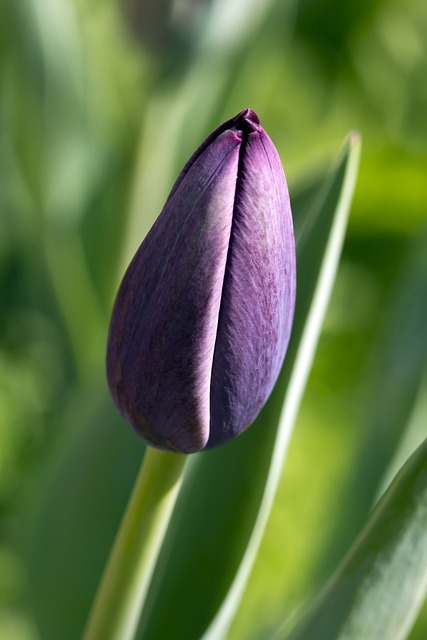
(248,121)
(250,116)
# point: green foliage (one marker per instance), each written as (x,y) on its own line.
(379,588)
(98,112)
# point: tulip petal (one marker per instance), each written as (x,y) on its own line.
(164,322)
(258,297)
(202,319)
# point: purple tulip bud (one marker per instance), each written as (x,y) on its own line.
(203,315)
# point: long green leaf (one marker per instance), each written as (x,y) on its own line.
(72,519)
(224,504)
(381,584)
(397,373)
(402,364)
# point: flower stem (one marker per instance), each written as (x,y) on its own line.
(116,611)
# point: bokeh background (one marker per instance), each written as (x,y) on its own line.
(100,105)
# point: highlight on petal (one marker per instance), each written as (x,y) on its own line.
(258,295)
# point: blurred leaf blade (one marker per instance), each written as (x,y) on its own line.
(402,365)
(397,374)
(381,584)
(63,534)
(229,491)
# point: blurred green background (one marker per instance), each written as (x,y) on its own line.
(101,103)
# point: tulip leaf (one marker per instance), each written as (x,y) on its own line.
(397,375)
(378,589)
(227,495)
(68,539)
(401,365)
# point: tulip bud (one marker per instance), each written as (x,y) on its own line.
(203,315)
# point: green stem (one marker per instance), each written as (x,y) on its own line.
(118,604)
